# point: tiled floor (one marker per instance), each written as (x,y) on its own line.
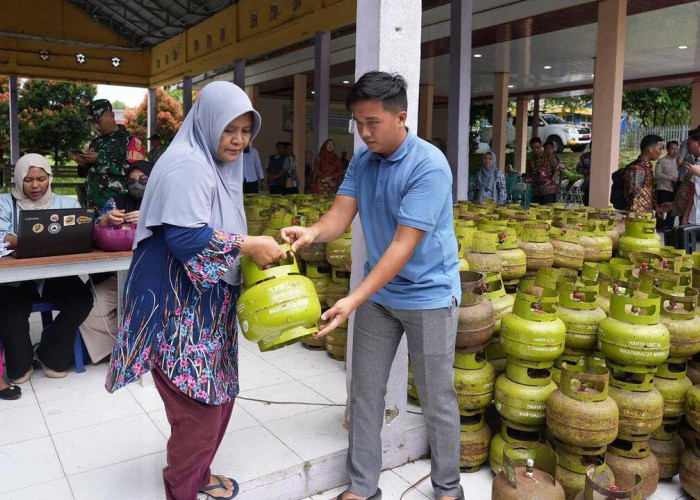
(69,439)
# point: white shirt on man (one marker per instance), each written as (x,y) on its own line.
(252,166)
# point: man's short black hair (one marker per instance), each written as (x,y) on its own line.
(671,143)
(550,143)
(535,140)
(279,143)
(388,89)
(649,141)
(695,136)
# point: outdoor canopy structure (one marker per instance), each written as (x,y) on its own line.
(518,49)
(469,49)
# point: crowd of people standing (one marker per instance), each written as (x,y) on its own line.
(669,188)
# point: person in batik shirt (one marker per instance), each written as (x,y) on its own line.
(543,171)
(638,179)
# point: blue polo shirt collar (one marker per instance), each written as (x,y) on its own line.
(401,152)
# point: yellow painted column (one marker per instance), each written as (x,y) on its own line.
(253,92)
(299,137)
(500,110)
(520,134)
(425,111)
(695,105)
(607,98)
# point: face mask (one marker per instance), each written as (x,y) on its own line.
(136,190)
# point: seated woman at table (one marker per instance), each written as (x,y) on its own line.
(490,182)
(100,327)
(124,208)
(69,295)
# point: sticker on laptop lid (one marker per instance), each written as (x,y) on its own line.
(54,228)
(54,218)
(83,219)
(37,228)
(69,220)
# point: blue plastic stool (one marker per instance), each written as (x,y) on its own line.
(46,308)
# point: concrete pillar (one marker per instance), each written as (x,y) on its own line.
(387,38)
(253,92)
(500,111)
(322,82)
(14,120)
(239,72)
(299,135)
(459,98)
(152,115)
(425,111)
(695,105)
(536,117)
(607,98)
(520,134)
(186,95)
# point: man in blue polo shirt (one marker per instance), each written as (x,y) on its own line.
(401,186)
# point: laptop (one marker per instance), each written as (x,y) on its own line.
(62,231)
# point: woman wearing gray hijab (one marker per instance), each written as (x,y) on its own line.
(179,318)
(490,182)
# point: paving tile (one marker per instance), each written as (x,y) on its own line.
(28,398)
(392,487)
(74,384)
(21,424)
(22,463)
(314,434)
(329,385)
(669,490)
(283,392)
(58,490)
(75,412)
(250,453)
(137,479)
(148,396)
(307,364)
(261,374)
(108,443)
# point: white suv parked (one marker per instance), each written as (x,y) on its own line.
(551,128)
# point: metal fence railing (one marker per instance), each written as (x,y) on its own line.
(632,138)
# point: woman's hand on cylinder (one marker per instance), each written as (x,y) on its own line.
(263,250)
(298,237)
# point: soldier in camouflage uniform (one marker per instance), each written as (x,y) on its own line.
(105,163)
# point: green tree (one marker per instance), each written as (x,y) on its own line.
(168,121)
(52,117)
(659,107)
(119,104)
(568,104)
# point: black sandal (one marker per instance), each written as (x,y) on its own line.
(11,393)
(222,486)
(376,496)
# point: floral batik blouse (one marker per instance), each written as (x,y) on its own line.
(178,314)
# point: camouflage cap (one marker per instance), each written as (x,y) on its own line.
(97,108)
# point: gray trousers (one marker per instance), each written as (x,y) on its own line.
(431,346)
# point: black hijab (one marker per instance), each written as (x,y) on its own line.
(125,201)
